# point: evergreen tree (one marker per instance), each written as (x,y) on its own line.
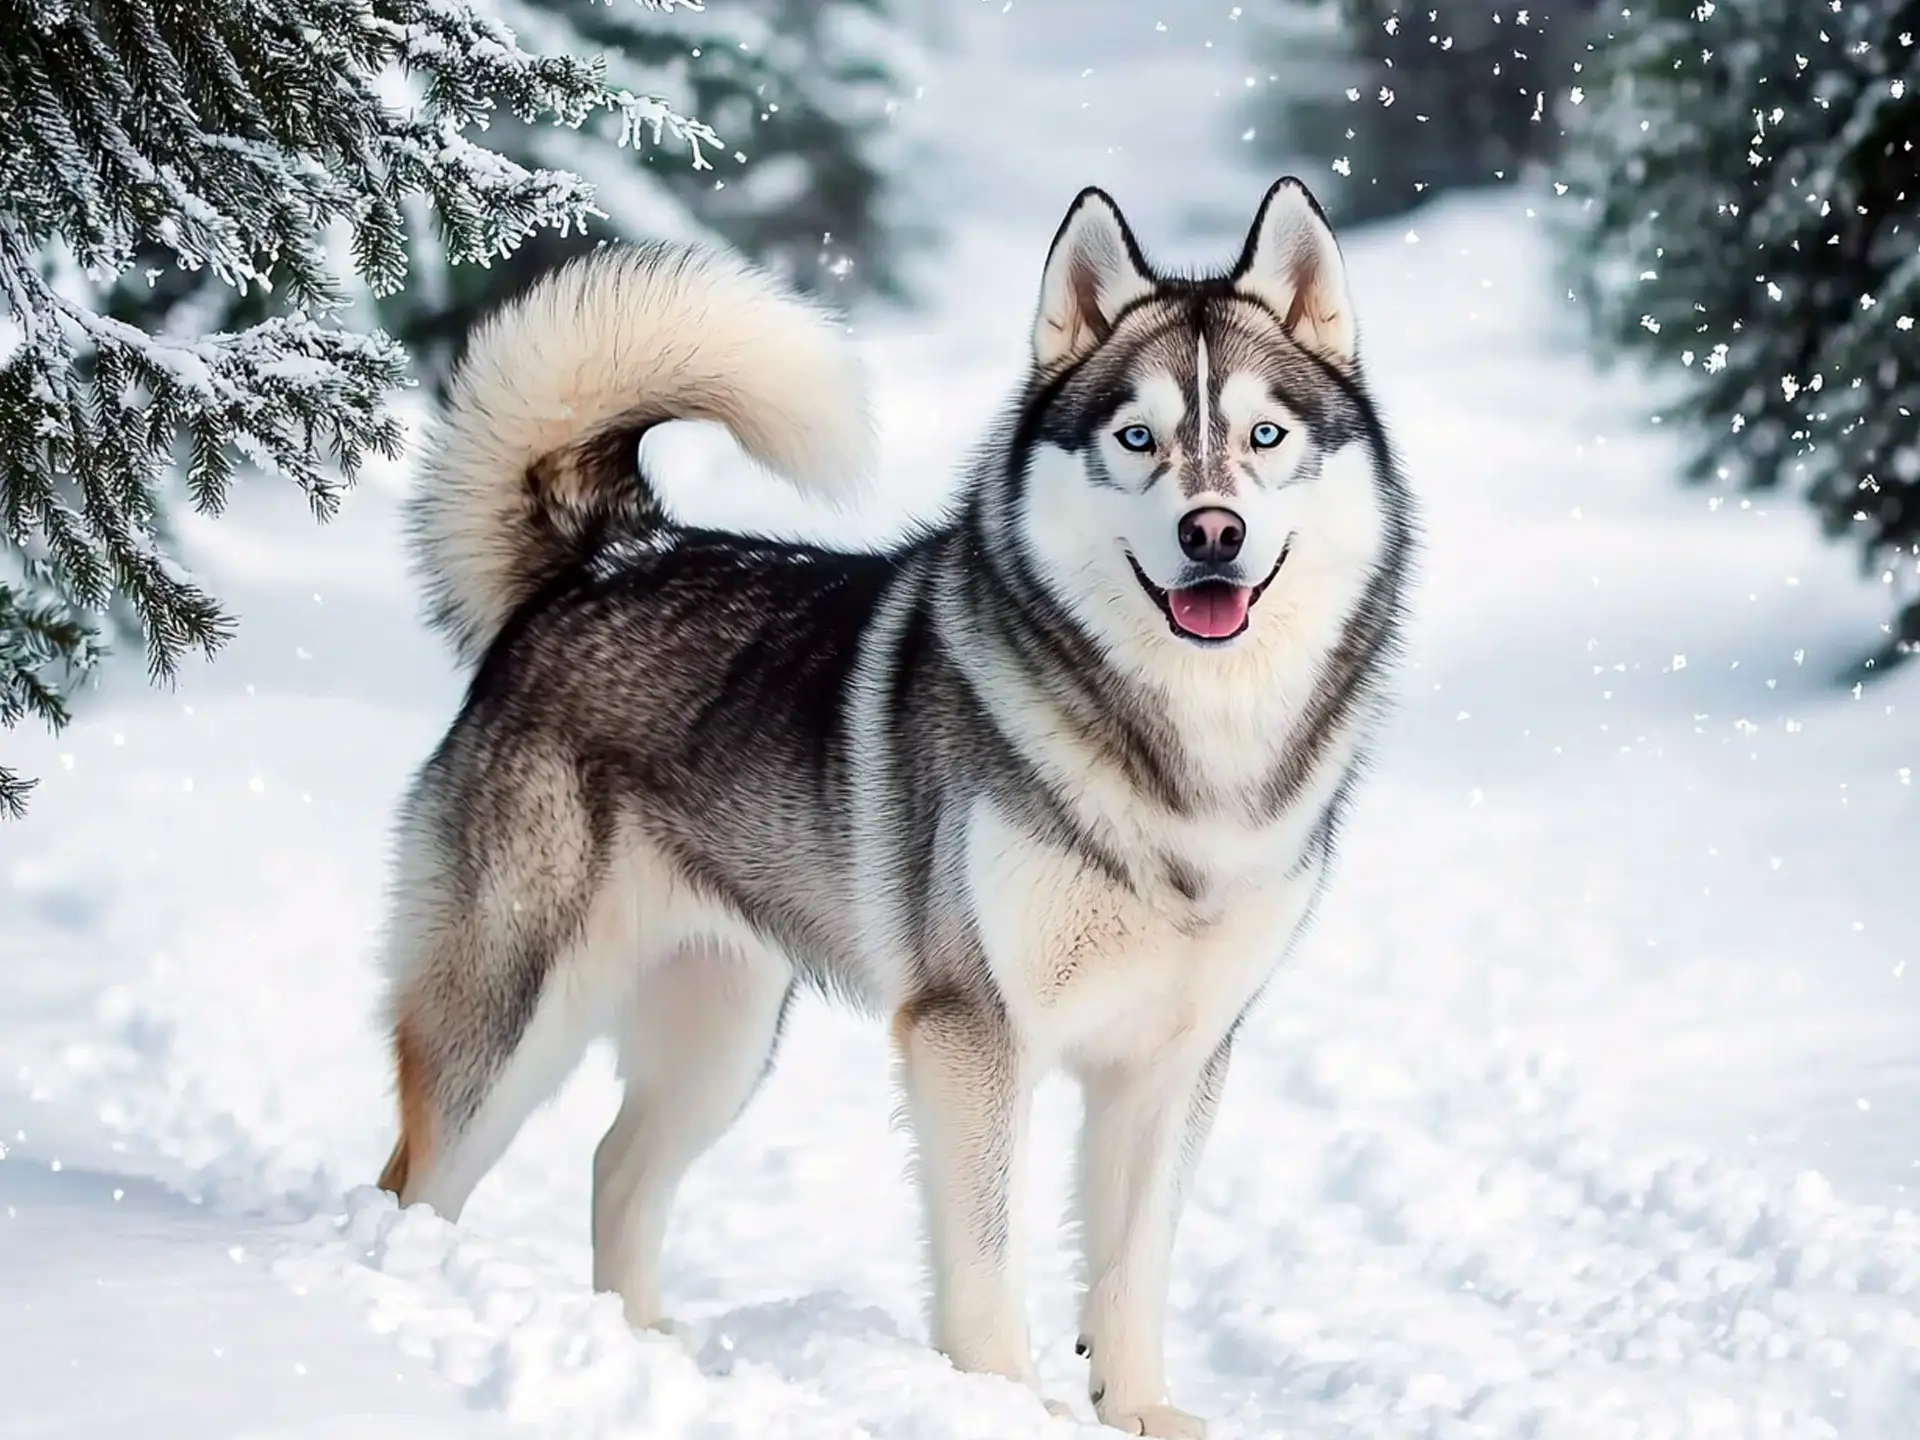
(803,92)
(1404,99)
(1750,184)
(227,139)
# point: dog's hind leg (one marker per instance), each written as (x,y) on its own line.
(498,980)
(697,1035)
(468,1083)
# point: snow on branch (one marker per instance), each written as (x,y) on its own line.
(228,139)
(1748,193)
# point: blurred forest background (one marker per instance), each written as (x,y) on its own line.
(1736,184)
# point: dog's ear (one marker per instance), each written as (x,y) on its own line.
(1093,271)
(1292,263)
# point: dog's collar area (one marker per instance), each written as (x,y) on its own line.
(1164,599)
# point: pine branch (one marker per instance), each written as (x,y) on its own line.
(1751,204)
(228,140)
(804,94)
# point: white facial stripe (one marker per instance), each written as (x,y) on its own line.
(1201,385)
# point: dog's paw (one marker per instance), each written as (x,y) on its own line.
(673,1330)
(1165,1421)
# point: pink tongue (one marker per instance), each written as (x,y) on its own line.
(1211,612)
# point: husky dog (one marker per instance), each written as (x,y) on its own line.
(1051,783)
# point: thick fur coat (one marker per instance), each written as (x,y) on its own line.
(1052,784)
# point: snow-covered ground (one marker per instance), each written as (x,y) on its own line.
(1587,1110)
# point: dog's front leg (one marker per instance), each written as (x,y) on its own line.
(967,1093)
(1145,1124)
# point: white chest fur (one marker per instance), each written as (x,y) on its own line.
(1095,971)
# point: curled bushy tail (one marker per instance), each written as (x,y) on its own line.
(534,458)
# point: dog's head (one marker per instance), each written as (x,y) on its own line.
(1180,448)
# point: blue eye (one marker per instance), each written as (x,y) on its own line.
(1135,438)
(1266,435)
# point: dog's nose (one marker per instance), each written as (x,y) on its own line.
(1213,535)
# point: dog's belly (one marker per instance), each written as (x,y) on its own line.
(1093,972)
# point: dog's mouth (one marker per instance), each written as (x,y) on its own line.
(1208,612)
